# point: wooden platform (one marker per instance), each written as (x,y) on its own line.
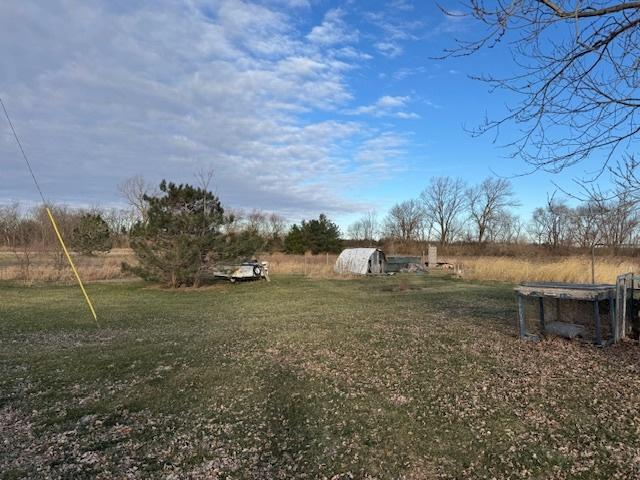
(567,291)
(594,293)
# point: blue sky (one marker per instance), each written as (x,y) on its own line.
(299,106)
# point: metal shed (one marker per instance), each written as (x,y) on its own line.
(361,261)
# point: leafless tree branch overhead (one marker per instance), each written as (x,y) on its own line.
(576,76)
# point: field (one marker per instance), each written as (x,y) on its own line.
(52,267)
(413,377)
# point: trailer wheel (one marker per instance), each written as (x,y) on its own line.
(257,271)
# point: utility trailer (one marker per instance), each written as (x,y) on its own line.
(245,271)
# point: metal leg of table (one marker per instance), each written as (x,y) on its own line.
(541,314)
(596,316)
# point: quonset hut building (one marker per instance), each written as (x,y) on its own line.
(361,261)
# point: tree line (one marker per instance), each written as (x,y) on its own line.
(178,232)
(448,210)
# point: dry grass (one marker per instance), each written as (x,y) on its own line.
(314,266)
(52,267)
(575,269)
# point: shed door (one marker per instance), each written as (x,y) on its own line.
(375,262)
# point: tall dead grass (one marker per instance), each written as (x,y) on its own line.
(574,269)
(52,267)
(315,266)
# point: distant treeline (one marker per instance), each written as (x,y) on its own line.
(460,218)
(451,212)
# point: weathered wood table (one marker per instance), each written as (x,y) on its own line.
(568,291)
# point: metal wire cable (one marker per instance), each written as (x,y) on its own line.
(24,155)
(51,218)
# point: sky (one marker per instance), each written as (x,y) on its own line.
(300,107)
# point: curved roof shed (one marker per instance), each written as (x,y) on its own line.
(361,261)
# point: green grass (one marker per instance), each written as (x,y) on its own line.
(397,377)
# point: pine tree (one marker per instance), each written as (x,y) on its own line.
(316,236)
(183,233)
(91,235)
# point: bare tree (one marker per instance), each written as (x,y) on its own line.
(487,203)
(366,228)
(236,217)
(444,201)
(355,231)
(277,225)
(504,227)
(551,224)
(618,219)
(9,219)
(19,234)
(134,189)
(576,75)
(584,225)
(404,220)
(256,222)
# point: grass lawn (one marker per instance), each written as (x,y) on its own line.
(413,377)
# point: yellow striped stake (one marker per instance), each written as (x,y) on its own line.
(73,267)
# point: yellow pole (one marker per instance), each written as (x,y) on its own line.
(73,267)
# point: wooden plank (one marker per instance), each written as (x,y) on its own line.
(567,330)
(574,291)
(634,314)
(614,320)
(596,316)
(579,286)
(567,293)
(621,312)
(521,319)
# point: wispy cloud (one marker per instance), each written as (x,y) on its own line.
(333,30)
(378,150)
(386,106)
(389,49)
(406,72)
(104,90)
(395,29)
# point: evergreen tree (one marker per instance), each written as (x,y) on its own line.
(91,235)
(294,242)
(317,236)
(183,233)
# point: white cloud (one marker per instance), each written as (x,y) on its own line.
(391,102)
(99,94)
(401,5)
(101,91)
(386,106)
(406,72)
(333,30)
(389,49)
(376,151)
(394,27)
